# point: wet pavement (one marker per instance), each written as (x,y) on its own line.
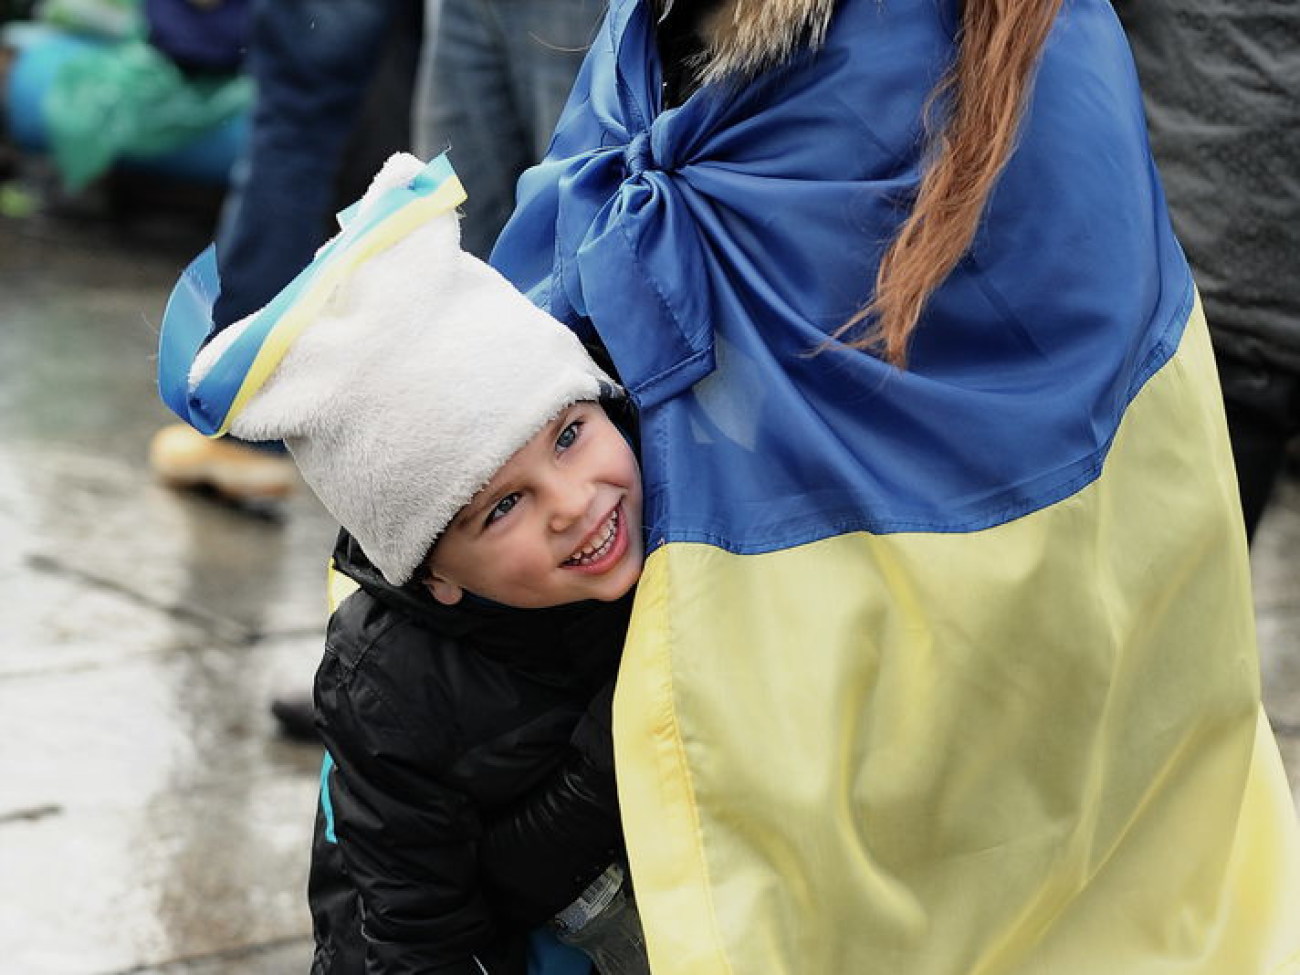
(151,819)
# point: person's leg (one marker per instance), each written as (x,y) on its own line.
(312,61)
(1262,406)
(383,124)
(424,138)
(472,116)
(498,76)
(547,41)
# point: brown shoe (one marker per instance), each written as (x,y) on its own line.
(184,458)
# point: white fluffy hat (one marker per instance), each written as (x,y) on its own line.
(412,381)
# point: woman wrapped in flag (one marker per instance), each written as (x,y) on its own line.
(943,660)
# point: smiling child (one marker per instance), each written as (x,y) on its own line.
(491,509)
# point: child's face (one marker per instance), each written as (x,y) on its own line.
(559,523)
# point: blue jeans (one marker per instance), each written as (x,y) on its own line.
(497,76)
(312,61)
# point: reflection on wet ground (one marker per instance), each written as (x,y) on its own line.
(151,820)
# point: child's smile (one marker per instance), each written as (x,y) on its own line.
(559,523)
(607,548)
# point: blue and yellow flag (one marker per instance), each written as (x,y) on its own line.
(949,671)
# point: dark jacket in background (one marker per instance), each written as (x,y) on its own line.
(471,793)
(1221,83)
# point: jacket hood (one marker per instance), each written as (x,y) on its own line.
(742,38)
(567,641)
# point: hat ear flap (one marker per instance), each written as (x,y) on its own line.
(444,231)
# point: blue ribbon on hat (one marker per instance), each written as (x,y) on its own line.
(216,399)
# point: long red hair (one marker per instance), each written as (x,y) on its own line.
(984,94)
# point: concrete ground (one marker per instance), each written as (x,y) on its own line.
(151,820)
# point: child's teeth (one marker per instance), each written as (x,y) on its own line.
(589,553)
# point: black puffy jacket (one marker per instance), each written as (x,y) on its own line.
(468,791)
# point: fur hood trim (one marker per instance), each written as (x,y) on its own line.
(743,38)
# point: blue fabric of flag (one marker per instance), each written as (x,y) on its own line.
(714,246)
(938,671)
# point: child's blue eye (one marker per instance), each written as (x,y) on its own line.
(568,435)
(502,507)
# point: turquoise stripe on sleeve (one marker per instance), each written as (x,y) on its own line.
(326,806)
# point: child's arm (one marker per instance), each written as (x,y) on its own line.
(408,844)
(544,852)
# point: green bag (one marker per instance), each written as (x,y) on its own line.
(129,99)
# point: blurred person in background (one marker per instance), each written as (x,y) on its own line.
(335,81)
(1221,83)
(495,78)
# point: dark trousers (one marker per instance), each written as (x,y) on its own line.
(314,62)
(335,80)
(1263,407)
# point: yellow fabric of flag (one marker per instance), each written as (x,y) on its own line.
(1036,749)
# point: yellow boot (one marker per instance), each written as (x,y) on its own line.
(184,458)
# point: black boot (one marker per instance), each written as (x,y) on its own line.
(296,716)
